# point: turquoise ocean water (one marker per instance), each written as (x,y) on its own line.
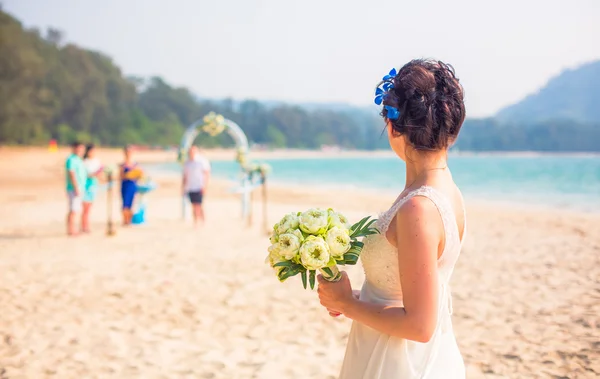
(557,181)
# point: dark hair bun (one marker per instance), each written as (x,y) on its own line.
(431,104)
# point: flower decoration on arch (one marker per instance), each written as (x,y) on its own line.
(214,124)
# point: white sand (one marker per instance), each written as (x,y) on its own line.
(165,301)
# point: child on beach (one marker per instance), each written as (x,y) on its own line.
(94,171)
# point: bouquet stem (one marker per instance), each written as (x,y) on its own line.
(331,274)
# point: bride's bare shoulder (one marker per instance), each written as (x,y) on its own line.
(418,217)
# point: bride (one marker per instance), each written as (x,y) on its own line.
(402,326)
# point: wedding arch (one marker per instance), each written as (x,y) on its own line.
(214,124)
(251,175)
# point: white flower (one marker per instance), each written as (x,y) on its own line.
(288,222)
(289,245)
(273,258)
(338,219)
(274,238)
(297,233)
(214,124)
(265,168)
(338,241)
(314,253)
(314,221)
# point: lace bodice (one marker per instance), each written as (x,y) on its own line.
(376,355)
(380,258)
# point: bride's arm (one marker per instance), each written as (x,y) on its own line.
(419,234)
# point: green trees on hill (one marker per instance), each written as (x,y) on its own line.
(49,89)
(546,136)
(52,90)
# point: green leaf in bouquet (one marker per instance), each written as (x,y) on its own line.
(357,245)
(288,264)
(303,275)
(369,226)
(367,233)
(351,257)
(281,274)
(290,272)
(312,278)
(359,225)
(353,254)
(331,262)
(328,271)
(364,228)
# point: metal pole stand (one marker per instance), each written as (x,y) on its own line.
(264,199)
(110,228)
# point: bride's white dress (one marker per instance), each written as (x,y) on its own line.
(374,355)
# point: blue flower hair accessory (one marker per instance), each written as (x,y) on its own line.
(392,113)
(381,92)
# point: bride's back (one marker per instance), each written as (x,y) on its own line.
(452,196)
(424,110)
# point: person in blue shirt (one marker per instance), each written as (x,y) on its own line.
(129,175)
(76,176)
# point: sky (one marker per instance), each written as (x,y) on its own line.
(329,50)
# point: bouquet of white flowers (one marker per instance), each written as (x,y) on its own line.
(317,239)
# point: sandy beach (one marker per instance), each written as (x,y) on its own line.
(164,300)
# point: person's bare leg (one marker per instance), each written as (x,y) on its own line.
(195,212)
(201,213)
(126,218)
(85,217)
(129,216)
(71,224)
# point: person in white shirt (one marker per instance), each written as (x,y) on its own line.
(196,173)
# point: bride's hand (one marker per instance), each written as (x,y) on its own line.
(335,295)
(355,294)
(333,313)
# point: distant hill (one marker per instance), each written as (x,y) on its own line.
(572,95)
(308,106)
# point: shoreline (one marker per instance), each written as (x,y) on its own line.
(470,200)
(327,188)
(225,154)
